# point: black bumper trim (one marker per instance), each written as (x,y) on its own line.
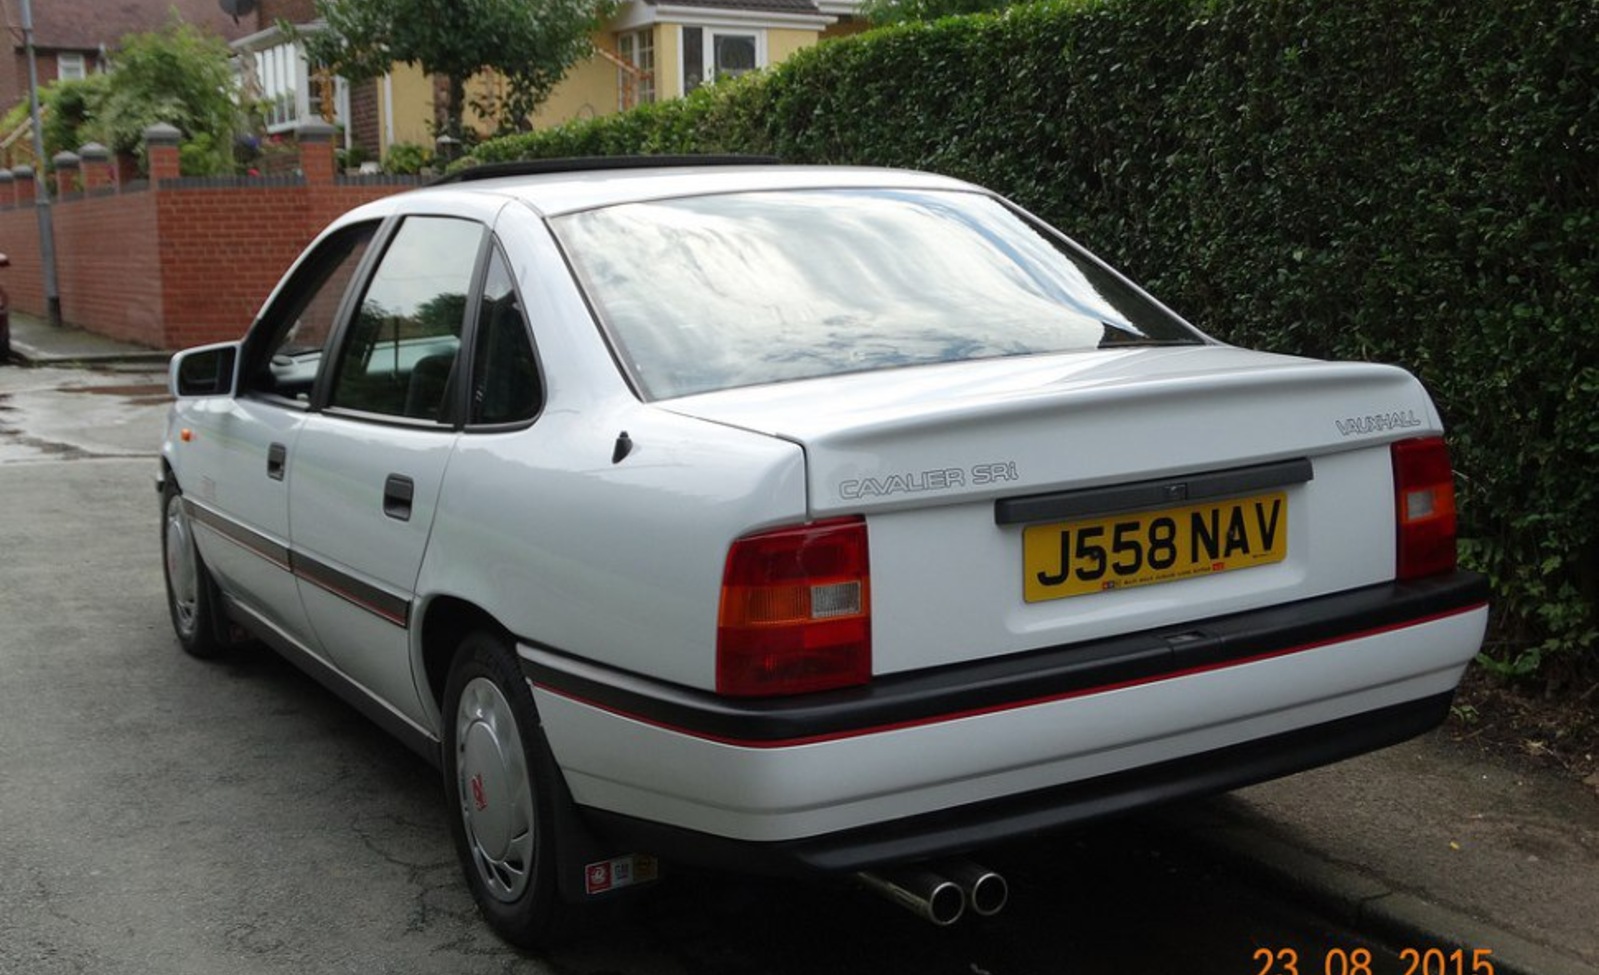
(965,828)
(1151,494)
(1011,681)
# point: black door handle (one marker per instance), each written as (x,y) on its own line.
(277,458)
(398,491)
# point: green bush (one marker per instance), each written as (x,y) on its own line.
(407,159)
(179,76)
(1410,181)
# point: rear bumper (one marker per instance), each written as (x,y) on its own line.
(930,763)
(963,828)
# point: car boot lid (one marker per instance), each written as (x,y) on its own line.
(958,432)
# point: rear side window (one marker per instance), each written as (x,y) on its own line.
(713,292)
(505,375)
(398,356)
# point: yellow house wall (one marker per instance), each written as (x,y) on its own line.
(589,89)
(668,62)
(781,44)
(413,107)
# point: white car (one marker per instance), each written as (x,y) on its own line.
(799,519)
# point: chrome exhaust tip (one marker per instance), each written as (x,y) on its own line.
(922,892)
(986,891)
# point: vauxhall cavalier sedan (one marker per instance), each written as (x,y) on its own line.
(803,520)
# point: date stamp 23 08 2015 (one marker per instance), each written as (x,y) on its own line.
(1358,961)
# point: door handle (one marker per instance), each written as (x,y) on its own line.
(277,458)
(398,491)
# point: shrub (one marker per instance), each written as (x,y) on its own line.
(1409,181)
(407,159)
(179,76)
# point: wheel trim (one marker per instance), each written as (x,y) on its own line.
(183,568)
(495,790)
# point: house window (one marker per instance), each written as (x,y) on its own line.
(710,53)
(732,54)
(70,67)
(290,92)
(637,48)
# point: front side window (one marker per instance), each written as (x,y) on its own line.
(398,355)
(713,292)
(285,350)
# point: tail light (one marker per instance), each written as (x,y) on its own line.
(796,611)
(1424,486)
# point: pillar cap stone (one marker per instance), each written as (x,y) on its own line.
(94,152)
(315,130)
(163,134)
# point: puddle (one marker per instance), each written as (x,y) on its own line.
(141,394)
(152,390)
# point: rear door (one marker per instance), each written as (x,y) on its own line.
(369,463)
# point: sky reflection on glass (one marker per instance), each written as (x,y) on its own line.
(715,292)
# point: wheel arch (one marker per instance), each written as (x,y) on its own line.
(445,621)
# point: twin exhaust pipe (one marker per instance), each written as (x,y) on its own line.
(941,892)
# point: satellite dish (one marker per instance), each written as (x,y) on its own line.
(237,8)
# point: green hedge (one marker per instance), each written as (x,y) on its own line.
(1411,181)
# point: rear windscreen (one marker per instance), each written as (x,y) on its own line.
(713,292)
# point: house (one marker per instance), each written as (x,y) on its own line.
(651,50)
(654,50)
(71,38)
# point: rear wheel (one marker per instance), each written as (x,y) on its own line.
(499,789)
(191,595)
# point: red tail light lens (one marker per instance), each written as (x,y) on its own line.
(796,611)
(1424,485)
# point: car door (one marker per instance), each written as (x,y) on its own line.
(235,472)
(369,462)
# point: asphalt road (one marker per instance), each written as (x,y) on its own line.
(163,815)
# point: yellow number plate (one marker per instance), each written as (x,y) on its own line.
(1074,558)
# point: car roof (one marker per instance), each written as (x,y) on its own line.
(570,191)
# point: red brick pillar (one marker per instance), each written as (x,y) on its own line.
(8,189)
(316,150)
(67,165)
(161,145)
(97,173)
(25,189)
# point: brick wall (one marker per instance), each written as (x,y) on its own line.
(173,262)
(366,127)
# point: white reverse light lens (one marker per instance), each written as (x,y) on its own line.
(836,599)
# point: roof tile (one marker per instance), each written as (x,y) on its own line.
(84,25)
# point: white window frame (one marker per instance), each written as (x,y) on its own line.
(79,66)
(285,79)
(629,44)
(708,50)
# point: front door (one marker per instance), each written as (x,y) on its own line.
(239,467)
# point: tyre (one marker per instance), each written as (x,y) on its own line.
(499,786)
(191,594)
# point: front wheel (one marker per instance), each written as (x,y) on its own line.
(499,791)
(191,595)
